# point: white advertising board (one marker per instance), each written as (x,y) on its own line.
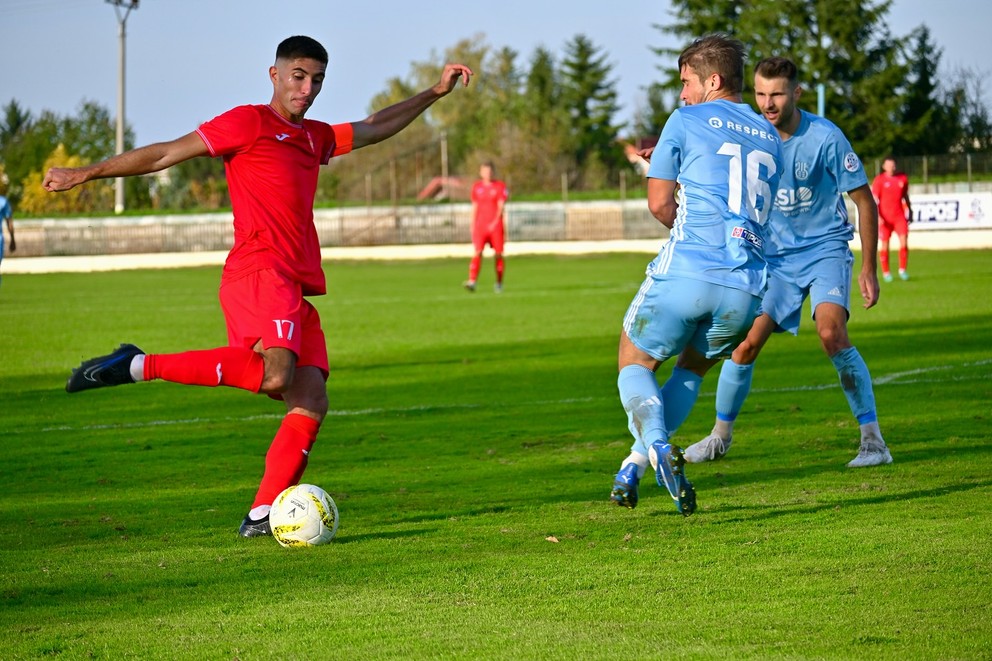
(943,211)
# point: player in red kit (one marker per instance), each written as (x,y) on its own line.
(272,156)
(891,191)
(488,199)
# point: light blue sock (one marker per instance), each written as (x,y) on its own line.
(732,389)
(679,394)
(855,380)
(641,399)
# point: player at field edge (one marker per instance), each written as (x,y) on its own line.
(891,190)
(702,292)
(488,200)
(809,255)
(276,346)
(6,216)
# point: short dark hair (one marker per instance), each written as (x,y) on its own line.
(295,48)
(716,54)
(778,67)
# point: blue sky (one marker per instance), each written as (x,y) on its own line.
(189,60)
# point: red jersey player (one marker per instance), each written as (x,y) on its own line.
(272,156)
(891,191)
(488,198)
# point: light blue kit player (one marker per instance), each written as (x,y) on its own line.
(6,216)
(808,254)
(702,292)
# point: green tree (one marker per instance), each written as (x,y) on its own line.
(27,143)
(931,116)
(589,95)
(845,45)
(15,121)
(650,118)
(976,125)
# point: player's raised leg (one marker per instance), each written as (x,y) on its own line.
(642,400)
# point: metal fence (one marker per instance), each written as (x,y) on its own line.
(963,170)
(370,226)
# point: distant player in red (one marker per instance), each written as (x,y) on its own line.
(272,157)
(891,191)
(488,199)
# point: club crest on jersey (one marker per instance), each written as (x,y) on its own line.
(802,170)
(747,235)
(851,162)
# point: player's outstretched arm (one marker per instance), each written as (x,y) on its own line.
(142,160)
(868,232)
(389,121)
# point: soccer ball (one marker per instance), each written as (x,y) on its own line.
(303,515)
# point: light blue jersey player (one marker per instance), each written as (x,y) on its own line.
(6,216)
(809,255)
(712,180)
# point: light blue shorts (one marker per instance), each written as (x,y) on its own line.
(824,279)
(669,314)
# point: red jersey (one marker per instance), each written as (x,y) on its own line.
(890,191)
(272,166)
(488,197)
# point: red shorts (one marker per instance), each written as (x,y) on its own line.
(493,236)
(268,306)
(887,224)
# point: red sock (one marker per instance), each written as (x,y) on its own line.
(473,268)
(224,366)
(903,257)
(287,457)
(499,269)
(883,258)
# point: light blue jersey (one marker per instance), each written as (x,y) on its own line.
(810,212)
(726,159)
(5,213)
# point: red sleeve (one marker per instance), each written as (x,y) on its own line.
(336,140)
(876,187)
(232,131)
(905,188)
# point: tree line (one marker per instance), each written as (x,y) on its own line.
(551,119)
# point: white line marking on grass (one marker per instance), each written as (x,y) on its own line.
(896,378)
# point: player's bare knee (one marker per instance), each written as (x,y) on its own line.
(277,381)
(833,340)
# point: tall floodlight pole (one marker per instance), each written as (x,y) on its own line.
(122,8)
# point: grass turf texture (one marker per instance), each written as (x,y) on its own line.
(471,447)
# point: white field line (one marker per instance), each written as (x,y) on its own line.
(896,378)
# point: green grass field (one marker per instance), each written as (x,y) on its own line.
(471,448)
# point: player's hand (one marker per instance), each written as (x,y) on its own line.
(62,179)
(646,153)
(868,281)
(450,76)
(13,244)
